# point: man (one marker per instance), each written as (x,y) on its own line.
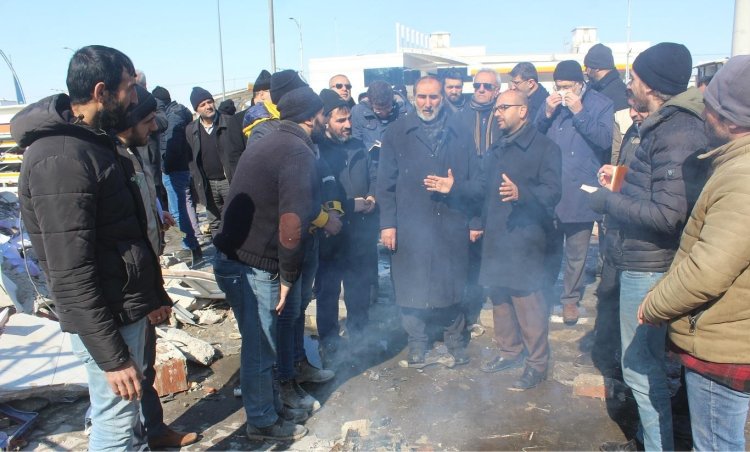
(141,123)
(427,232)
(262,88)
(260,251)
(216,143)
(261,118)
(661,185)
(151,153)
(350,257)
(477,117)
(82,213)
(371,117)
(175,159)
(524,78)
(343,87)
(453,86)
(604,78)
(703,296)
(580,122)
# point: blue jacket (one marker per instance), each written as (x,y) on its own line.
(585,140)
(368,128)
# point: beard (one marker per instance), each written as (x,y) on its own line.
(431,117)
(113,116)
(318,134)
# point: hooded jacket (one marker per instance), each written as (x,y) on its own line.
(663,181)
(175,150)
(368,127)
(86,221)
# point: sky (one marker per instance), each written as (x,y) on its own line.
(176,43)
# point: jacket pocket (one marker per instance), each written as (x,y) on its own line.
(137,259)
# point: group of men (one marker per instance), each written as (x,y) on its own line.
(475,197)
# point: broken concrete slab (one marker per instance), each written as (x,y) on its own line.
(200,284)
(38,360)
(171,369)
(359,428)
(193,348)
(208,316)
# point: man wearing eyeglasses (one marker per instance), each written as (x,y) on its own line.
(580,122)
(343,87)
(524,78)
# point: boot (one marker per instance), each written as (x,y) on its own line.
(280,430)
(307,373)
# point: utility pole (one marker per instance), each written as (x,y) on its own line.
(221,54)
(741,33)
(627,47)
(273,39)
(301,50)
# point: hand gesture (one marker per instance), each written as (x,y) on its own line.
(605,176)
(360,204)
(553,100)
(333,225)
(159,315)
(370,204)
(283,293)
(573,102)
(475,235)
(439,184)
(125,381)
(508,190)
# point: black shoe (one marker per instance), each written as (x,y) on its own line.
(197,256)
(530,378)
(416,358)
(632,445)
(280,430)
(499,363)
(461,356)
(294,415)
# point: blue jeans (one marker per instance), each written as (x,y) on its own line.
(717,414)
(643,362)
(291,332)
(253,295)
(116,423)
(181,206)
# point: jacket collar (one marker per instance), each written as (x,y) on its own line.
(689,101)
(295,129)
(605,81)
(521,139)
(728,151)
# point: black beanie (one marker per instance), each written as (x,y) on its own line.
(146,105)
(665,67)
(227,107)
(599,57)
(263,82)
(283,82)
(331,100)
(162,94)
(199,95)
(299,104)
(569,70)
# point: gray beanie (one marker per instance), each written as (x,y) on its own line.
(299,104)
(729,91)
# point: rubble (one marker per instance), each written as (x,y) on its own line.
(593,385)
(171,369)
(194,349)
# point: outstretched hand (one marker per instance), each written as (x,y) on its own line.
(439,184)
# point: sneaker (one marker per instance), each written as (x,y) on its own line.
(307,373)
(293,396)
(281,430)
(293,415)
(570,313)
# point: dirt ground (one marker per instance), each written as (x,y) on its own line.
(436,408)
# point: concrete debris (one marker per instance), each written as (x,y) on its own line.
(182,314)
(593,385)
(195,350)
(359,428)
(208,316)
(171,369)
(200,284)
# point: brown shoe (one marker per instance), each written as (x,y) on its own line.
(570,313)
(172,438)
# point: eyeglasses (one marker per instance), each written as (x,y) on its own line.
(343,85)
(487,86)
(518,82)
(565,87)
(503,107)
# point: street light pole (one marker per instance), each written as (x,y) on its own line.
(221,54)
(301,51)
(20,96)
(273,39)
(627,48)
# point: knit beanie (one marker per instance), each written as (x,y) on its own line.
(331,100)
(299,104)
(263,82)
(665,67)
(599,57)
(227,107)
(146,105)
(199,95)
(162,94)
(729,91)
(568,70)
(283,82)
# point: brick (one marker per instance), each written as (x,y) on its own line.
(171,369)
(592,385)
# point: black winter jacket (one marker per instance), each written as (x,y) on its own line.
(231,144)
(661,186)
(86,222)
(175,150)
(612,86)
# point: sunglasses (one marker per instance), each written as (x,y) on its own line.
(487,86)
(343,85)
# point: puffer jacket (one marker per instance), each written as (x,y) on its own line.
(82,209)
(663,181)
(706,293)
(175,150)
(368,127)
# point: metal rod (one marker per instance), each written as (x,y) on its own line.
(627,47)
(301,48)
(20,96)
(273,39)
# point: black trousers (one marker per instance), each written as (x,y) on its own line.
(422,324)
(217,192)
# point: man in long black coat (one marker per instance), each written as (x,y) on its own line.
(428,232)
(521,184)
